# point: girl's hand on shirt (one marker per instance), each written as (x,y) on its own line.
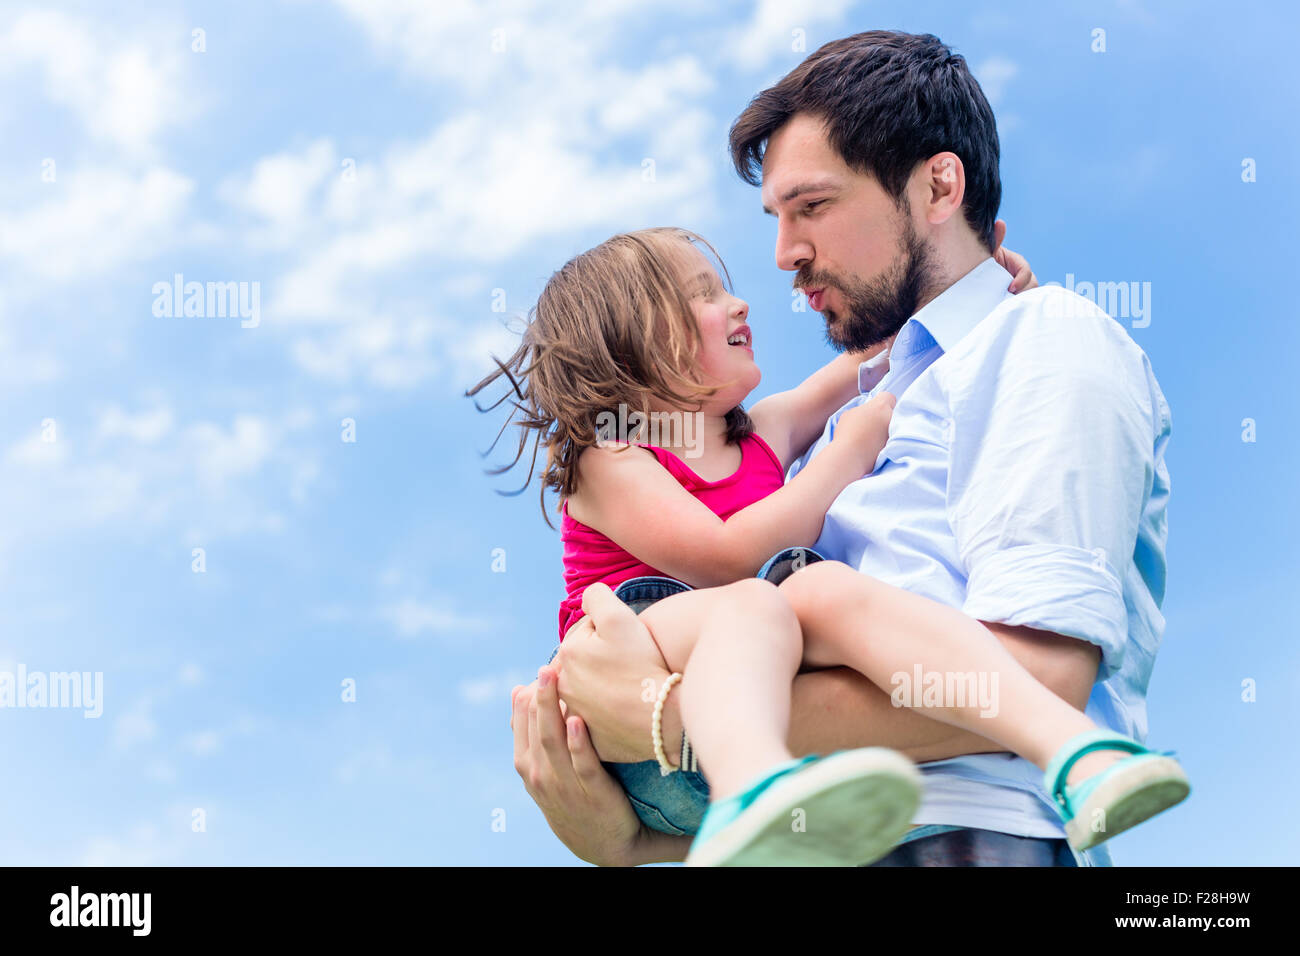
(1013,262)
(865,428)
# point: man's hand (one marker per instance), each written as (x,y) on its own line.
(582,803)
(1013,262)
(605,663)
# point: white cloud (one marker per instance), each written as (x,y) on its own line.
(394,352)
(769,34)
(146,427)
(239,452)
(134,728)
(412,618)
(205,480)
(34,451)
(376,759)
(477,190)
(149,843)
(191,674)
(995,75)
(124,86)
(142,845)
(204,743)
(654,93)
(90,221)
(21,368)
(491,688)
(279,188)
(473,43)
(562,152)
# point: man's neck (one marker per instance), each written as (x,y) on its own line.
(953,259)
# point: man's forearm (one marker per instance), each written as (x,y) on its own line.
(655,847)
(839,709)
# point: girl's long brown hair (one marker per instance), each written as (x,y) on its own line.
(612,327)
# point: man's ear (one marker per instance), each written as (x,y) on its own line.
(943,186)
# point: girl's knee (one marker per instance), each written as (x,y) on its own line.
(756,596)
(819,586)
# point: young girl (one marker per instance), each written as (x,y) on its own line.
(638,338)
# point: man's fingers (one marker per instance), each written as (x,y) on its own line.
(550,722)
(519,726)
(534,758)
(586,762)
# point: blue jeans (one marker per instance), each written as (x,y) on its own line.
(676,803)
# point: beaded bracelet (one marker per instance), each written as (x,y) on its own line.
(656,726)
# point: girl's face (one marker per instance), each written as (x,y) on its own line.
(726,353)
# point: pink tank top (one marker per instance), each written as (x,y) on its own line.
(589,556)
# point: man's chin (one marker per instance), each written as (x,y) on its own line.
(847,336)
(838,333)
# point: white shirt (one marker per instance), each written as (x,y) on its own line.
(1023,482)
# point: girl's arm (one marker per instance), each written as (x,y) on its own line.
(791,421)
(632,499)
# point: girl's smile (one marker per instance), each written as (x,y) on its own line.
(741,338)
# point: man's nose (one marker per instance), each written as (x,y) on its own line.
(792,252)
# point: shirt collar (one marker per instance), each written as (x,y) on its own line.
(947,318)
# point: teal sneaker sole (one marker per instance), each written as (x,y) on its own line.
(1128,796)
(848,809)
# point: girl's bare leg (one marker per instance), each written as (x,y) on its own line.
(740,647)
(883,632)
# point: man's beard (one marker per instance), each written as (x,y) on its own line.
(879,308)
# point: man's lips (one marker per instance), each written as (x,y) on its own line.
(815,298)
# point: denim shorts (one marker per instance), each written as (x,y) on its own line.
(676,803)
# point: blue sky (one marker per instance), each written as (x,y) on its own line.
(386,176)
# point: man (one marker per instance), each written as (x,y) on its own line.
(1023,482)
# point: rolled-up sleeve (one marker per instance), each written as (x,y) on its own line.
(1052,459)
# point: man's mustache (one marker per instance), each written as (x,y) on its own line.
(815,280)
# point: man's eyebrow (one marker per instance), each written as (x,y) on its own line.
(800,188)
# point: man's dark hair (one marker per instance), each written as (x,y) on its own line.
(889,100)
